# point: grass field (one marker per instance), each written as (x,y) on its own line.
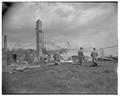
(64,78)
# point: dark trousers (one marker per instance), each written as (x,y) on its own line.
(94,60)
(81,60)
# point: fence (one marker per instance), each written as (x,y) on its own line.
(102,52)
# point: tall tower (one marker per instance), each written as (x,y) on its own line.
(39,39)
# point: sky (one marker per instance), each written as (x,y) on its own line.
(82,24)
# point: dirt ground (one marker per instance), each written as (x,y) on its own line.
(63,79)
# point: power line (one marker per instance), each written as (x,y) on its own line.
(109,47)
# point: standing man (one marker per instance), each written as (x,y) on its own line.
(94,55)
(81,56)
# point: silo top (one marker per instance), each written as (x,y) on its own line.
(39,24)
(38,21)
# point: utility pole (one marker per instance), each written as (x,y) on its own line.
(39,39)
(102,52)
(68,44)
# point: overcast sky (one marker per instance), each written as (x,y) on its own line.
(82,24)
